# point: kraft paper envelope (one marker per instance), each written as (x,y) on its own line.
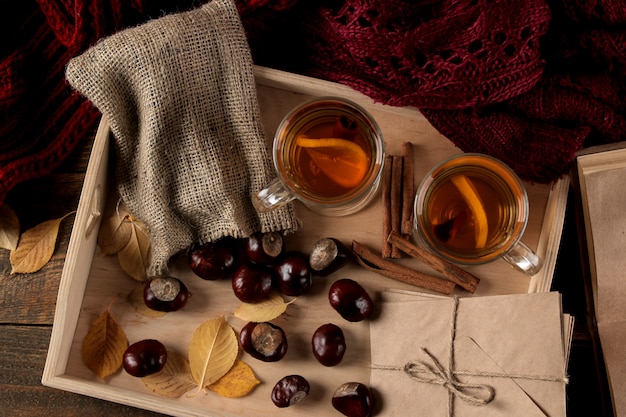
(510,348)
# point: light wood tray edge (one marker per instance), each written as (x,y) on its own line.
(79,256)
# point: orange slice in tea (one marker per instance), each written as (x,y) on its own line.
(343,161)
(471,197)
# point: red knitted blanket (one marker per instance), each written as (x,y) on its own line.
(530,82)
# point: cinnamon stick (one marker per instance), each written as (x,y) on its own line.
(449,270)
(386,202)
(408,192)
(396,200)
(390,269)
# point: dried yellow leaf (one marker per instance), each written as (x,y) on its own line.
(262,311)
(135,298)
(36,247)
(104,346)
(173,380)
(212,351)
(238,382)
(9,227)
(133,257)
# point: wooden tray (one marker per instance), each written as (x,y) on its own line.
(90,280)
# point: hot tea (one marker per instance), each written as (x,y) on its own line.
(328,160)
(473,209)
(470,213)
(328,154)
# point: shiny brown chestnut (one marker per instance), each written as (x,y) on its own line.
(144,357)
(353,399)
(264,341)
(264,248)
(293,274)
(214,260)
(165,294)
(328,255)
(252,283)
(290,390)
(350,300)
(329,344)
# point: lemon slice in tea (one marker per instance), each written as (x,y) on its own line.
(341,160)
(471,197)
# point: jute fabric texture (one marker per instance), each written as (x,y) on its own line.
(180,96)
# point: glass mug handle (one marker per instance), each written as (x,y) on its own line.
(523,258)
(273,196)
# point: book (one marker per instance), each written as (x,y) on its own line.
(601,176)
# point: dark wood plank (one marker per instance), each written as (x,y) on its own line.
(24,350)
(46,198)
(31,298)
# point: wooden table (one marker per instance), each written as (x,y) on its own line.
(28,304)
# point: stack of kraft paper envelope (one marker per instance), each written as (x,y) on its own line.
(503,355)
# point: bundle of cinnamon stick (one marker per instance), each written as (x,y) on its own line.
(453,275)
(397,198)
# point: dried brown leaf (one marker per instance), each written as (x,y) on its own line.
(9,227)
(104,346)
(36,247)
(173,380)
(212,351)
(115,232)
(135,299)
(133,257)
(238,381)
(116,227)
(265,310)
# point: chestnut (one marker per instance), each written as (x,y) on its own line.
(264,341)
(264,248)
(327,256)
(350,300)
(252,283)
(293,274)
(353,399)
(214,260)
(329,344)
(145,357)
(165,294)
(290,390)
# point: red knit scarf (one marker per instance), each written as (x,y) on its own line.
(530,82)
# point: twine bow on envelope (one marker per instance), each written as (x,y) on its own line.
(430,371)
(433,372)
(419,371)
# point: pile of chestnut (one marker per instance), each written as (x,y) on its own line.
(258,265)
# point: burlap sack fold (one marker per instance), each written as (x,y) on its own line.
(180,96)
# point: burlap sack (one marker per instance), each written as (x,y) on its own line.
(180,96)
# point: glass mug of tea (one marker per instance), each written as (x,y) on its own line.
(328,154)
(472,209)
